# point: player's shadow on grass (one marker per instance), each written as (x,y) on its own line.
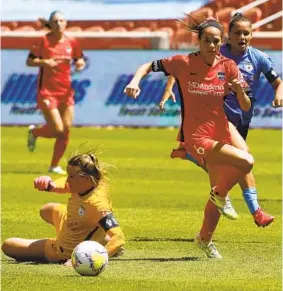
(144,239)
(14,262)
(183,259)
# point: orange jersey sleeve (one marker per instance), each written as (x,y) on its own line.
(37,47)
(77,50)
(170,66)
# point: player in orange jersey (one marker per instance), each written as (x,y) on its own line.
(203,79)
(87,216)
(252,63)
(53,54)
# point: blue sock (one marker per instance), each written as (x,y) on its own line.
(191,158)
(250,196)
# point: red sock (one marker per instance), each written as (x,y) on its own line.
(60,146)
(211,218)
(43,131)
(230,176)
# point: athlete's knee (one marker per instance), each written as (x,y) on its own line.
(46,212)
(248,162)
(59,131)
(7,246)
(64,134)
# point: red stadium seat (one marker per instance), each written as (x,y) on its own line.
(254,14)
(142,28)
(11,24)
(118,28)
(95,28)
(203,12)
(129,25)
(5,28)
(25,28)
(224,15)
(181,38)
(74,28)
(169,30)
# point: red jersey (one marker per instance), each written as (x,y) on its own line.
(55,81)
(202,89)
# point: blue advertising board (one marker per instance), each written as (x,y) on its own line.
(99,96)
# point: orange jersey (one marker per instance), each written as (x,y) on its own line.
(55,81)
(202,89)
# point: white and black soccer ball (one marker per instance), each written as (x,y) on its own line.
(89,258)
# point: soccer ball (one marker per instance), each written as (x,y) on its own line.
(89,258)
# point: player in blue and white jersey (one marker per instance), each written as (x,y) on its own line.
(252,63)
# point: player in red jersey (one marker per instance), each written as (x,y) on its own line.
(53,54)
(203,79)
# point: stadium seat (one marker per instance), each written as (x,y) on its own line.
(142,28)
(11,24)
(169,30)
(172,23)
(74,28)
(95,28)
(118,28)
(181,39)
(254,14)
(151,24)
(224,15)
(25,28)
(5,28)
(129,25)
(203,12)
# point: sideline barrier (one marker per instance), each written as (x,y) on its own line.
(100,100)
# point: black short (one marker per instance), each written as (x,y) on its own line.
(243,130)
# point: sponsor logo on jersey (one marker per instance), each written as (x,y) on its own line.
(248,67)
(200,150)
(205,89)
(81,211)
(68,50)
(221,75)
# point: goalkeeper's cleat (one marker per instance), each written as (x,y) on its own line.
(223,205)
(31,142)
(119,253)
(262,219)
(208,247)
(179,153)
(57,170)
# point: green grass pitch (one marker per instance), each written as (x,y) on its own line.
(159,203)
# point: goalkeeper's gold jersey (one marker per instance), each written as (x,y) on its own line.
(81,219)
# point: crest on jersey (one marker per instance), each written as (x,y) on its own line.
(221,76)
(200,150)
(81,211)
(68,49)
(249,67)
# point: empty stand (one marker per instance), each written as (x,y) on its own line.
(96,28)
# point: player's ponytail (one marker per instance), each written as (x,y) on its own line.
(237,17)
(197,24)
(46,23)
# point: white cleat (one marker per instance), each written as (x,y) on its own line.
(223,205)
(208,247)
(31,142)
(57,170)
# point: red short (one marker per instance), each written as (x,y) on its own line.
(202,141)
(51,102)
